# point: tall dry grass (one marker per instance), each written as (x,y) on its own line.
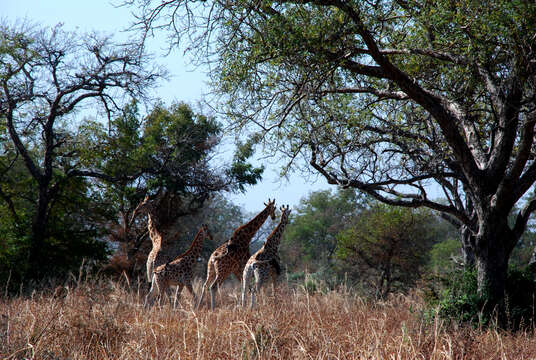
(106,319)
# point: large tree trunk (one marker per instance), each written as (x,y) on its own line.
(492,253)
(37,262)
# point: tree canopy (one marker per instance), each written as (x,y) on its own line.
(46,75)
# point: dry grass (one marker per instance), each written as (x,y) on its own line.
(107,320)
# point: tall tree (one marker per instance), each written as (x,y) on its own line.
(387,97)
(46,75)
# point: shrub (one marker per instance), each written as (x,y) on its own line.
(461,301)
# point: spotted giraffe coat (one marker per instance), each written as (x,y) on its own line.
(231,257)
(264,264)
(180,270)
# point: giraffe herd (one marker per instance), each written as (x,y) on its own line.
(232,257)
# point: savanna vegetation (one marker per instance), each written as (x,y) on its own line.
(103,319)
(389,101)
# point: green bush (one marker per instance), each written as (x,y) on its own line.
(460,301)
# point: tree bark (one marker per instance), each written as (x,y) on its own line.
(492,253)
(468,253)
(36,256)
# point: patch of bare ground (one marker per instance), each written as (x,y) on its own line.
(108,320)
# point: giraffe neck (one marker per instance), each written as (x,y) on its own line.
(272,242)
(154,233)
(197,245)
(244,233)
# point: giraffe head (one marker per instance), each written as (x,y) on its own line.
(143,205)
(146,206)
(285,212)
(271,208)
(206,232)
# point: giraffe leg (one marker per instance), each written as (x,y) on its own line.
(212,288)
(252,302)
(210,276)
(177,294)
(149,270)
(238,274)
(149,298)
(202,294)
(191,291)
(258,285)
(221,273)
(157,288)
(274,280)
(245,283)
(162,287)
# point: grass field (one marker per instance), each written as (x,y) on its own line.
(106,319)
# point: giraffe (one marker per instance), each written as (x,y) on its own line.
(179,271)
(231,257)
(265,262)
(160,233)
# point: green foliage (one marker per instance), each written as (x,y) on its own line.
(75,221)
(389,245)
(168,150)
(171,150)
(51,207)
(75,232)
(376,247)
(175,143)
(461,301)
(524,248)
(310,240)
(241,170)
(441,256)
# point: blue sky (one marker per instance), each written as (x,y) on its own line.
(187,83)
